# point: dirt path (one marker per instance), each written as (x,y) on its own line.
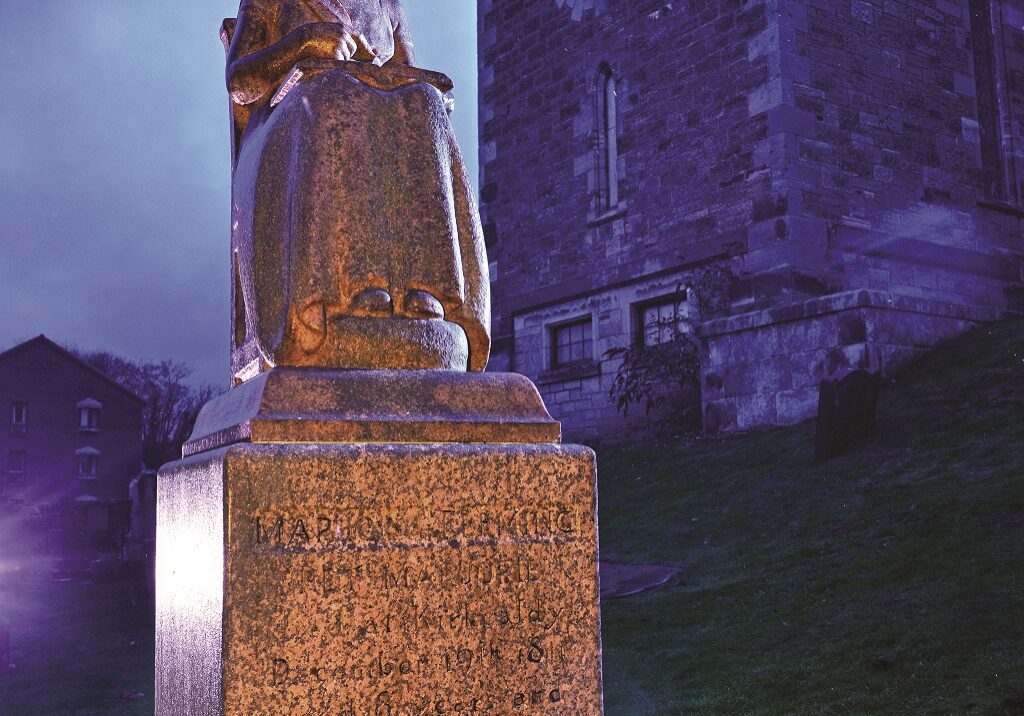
(624,580)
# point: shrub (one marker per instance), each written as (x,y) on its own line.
(664,378)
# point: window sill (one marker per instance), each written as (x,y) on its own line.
(610,215)
(19,431)
(88,430)
(1002,207)
(88,478)
(566,373)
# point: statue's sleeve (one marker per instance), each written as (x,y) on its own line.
(266,10)
(403,38)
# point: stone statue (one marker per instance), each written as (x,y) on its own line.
(355,235)
(360,338)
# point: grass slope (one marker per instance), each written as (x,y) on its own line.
(77,647)
(886,581)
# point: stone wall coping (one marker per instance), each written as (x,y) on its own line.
(844,301)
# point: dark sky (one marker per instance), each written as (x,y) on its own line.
(114,176)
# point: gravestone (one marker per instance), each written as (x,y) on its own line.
(139,549)
(367,524)
(142,495)
(846,412)
(5,644)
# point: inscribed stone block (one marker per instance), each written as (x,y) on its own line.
(363,580)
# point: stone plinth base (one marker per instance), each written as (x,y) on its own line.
(378,579)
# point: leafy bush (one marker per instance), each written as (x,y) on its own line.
(664,378)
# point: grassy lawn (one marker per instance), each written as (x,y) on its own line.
(886,581)
(77,647)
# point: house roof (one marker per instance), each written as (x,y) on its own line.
(45,342)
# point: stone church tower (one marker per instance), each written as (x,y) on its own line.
(805,187)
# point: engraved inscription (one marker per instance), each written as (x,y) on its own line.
(333,576)
(372,528)
(459,598)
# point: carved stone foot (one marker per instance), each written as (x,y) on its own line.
(373,302)
(420,304)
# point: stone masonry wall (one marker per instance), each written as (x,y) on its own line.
(817,149)
(763,368)
(883,175)
(580,398)
(888,180)
(690,177)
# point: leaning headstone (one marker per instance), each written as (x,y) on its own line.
(142,494)
(5,644)
(139,548)
(367,524)
(846,412)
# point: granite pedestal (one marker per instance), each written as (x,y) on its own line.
(387,571)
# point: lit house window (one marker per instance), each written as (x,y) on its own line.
(660,322)
(572,343)
(88,463)
(89,415)
(607,116)
(16,463)
(19,418)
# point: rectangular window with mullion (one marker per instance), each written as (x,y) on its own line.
(88,419)
(19,419)
(87,465)
(572,343)
(661,322)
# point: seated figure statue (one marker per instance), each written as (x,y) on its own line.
(356,238)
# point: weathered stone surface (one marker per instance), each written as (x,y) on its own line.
(361,528)
(190,581)
(307,405)
(355,234)
(760,372)
(379,579)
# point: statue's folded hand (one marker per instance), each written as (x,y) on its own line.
(334,41)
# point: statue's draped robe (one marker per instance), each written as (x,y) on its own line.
(343,187)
